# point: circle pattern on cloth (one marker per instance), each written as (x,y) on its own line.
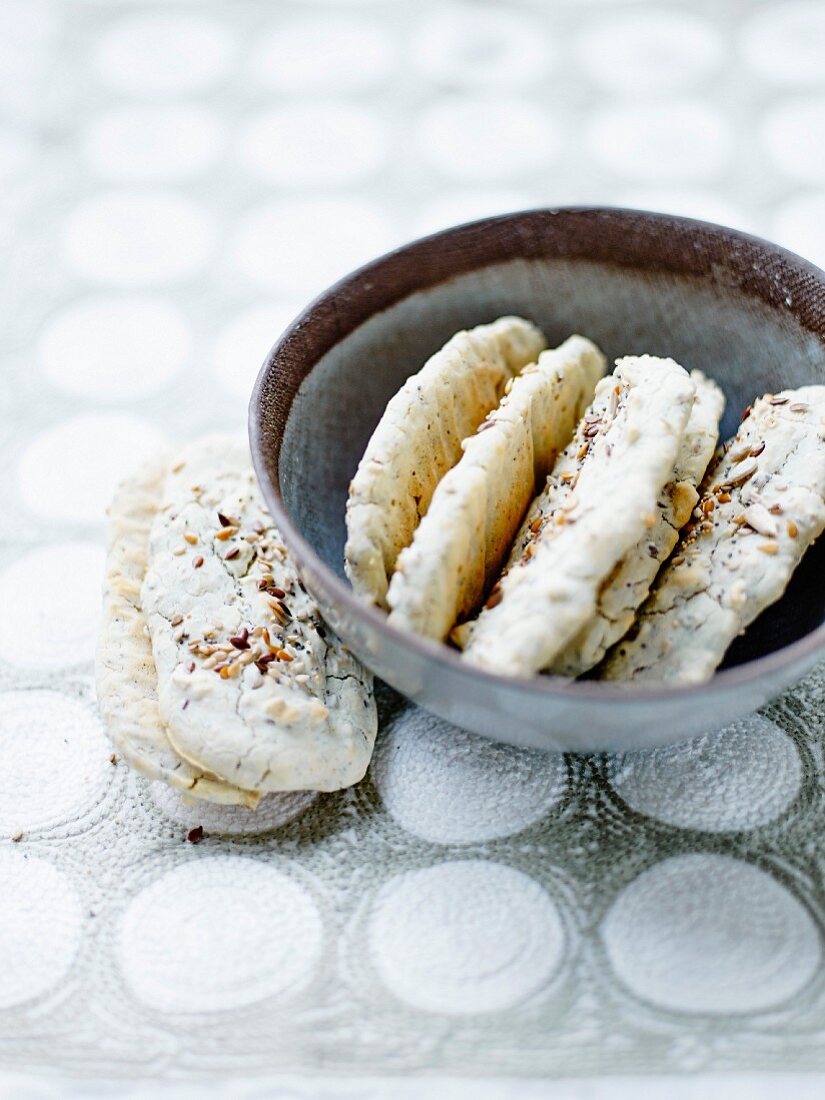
(273,811)
(314,145)
(300,246)
(472,46)
(670,49)
(799,224)
(148,144)
(51,606)
(791,135)
(16,152)
(680,141)
(134,238)
(54,760)
(219,933)
(710,934)
(785,43)
(164,53)
(241,346)
(336,53)
(451,787)
(40,927)
(69,472)
(464,937)
(739,778)
(114,348)
(480,138)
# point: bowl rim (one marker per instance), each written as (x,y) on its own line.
(544,685)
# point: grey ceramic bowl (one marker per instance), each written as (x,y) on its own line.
(747,312)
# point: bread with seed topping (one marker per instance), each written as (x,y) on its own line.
(252,685)
(762,507)
(599,502)
(418,439)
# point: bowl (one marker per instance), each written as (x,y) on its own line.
(747,312)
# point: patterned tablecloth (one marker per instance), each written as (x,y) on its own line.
(175,181)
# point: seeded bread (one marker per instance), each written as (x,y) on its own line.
(628,587)
(461,543)
(127,682)
(604,491)
(252,685)
(761,509)
(418,439)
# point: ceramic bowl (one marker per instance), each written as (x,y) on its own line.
(745,311)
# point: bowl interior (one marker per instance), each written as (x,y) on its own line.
(715,322)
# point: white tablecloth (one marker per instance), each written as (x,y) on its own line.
(175,182)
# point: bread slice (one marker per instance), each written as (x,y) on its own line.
(599,502)
(418,439)
(762,507)
(460,545)
(253,687)
(627,588)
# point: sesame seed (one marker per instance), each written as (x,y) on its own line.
(793,530)
(177,469)
(190,537)
(223,521)
(197,563)
(226,533)
(778,400)
(769,547)
(798,407)
(178,619)
(195,836)
(179,551)
(758,449)
(233,553)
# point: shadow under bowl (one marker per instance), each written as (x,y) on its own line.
(748,313)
